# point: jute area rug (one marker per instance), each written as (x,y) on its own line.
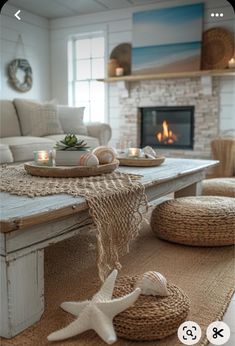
(206,275)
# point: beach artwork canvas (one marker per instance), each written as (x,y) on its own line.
(167,40)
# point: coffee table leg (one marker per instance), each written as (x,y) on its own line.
(22,292)
(191,190)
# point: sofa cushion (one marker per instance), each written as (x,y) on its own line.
(37,119)
(5,154)
(8,119)
(22,148)
(91,141)
(71,119)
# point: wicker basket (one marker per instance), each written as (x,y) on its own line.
(219,187)
(151,317)
(197,221)
(223,149)
(217,48)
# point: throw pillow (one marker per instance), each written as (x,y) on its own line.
(71,119)
(38,119)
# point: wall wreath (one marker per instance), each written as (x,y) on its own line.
(23,65)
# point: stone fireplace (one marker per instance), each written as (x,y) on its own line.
(186,93)
(167,127)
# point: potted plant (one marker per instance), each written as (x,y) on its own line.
(69,150)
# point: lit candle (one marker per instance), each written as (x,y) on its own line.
(134,152)
(231,63)
(43,157)
(119,71)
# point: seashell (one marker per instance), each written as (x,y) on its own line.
(153,283)
(88,159)
(149,152)
(105,154)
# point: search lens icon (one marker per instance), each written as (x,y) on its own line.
(189,332)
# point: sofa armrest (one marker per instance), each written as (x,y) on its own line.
(101,131)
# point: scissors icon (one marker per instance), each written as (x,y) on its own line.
(217,332)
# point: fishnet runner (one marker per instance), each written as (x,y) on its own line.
(115,203)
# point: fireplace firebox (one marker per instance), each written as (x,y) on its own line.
(167,127)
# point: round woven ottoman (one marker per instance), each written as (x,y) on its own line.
(219,187)
(198,221)
(151,317)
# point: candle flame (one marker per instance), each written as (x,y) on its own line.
(43,155)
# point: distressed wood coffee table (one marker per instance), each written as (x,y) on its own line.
(28,225)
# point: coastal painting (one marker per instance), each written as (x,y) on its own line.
(167,40)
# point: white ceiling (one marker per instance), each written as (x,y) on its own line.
(64,8)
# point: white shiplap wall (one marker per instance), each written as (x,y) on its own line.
(35,33)
(118,27)
(227,104)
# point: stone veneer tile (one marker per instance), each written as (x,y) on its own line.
(175,92)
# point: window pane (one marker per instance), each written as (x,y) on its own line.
(97,68)
(83,69)
(82,91)
(86,64)
(97,110)
(83,48)
(97,47)
(97,91)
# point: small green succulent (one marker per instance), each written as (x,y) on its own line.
(71,142)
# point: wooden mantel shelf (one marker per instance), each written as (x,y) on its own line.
(134,78)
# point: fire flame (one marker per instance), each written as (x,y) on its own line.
(166,136)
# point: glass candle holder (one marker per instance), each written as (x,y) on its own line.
(43,157)
(134,152)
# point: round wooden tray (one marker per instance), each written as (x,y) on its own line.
(141,162)
(217,48)
(69,171)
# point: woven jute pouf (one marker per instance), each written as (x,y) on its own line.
(219,187)
(198,221)
(150,317)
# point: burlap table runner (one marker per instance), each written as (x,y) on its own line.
(115,203)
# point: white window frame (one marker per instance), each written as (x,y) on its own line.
(83,35)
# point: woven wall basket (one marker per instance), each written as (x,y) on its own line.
(217,48)
(151,317)
(198,221)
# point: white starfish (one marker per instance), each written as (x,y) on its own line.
(97,313)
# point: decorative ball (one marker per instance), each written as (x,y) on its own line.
(105,154)
(88,159)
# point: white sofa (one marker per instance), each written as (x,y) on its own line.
(15,147)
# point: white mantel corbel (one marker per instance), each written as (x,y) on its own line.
(123,88)
(206,83)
